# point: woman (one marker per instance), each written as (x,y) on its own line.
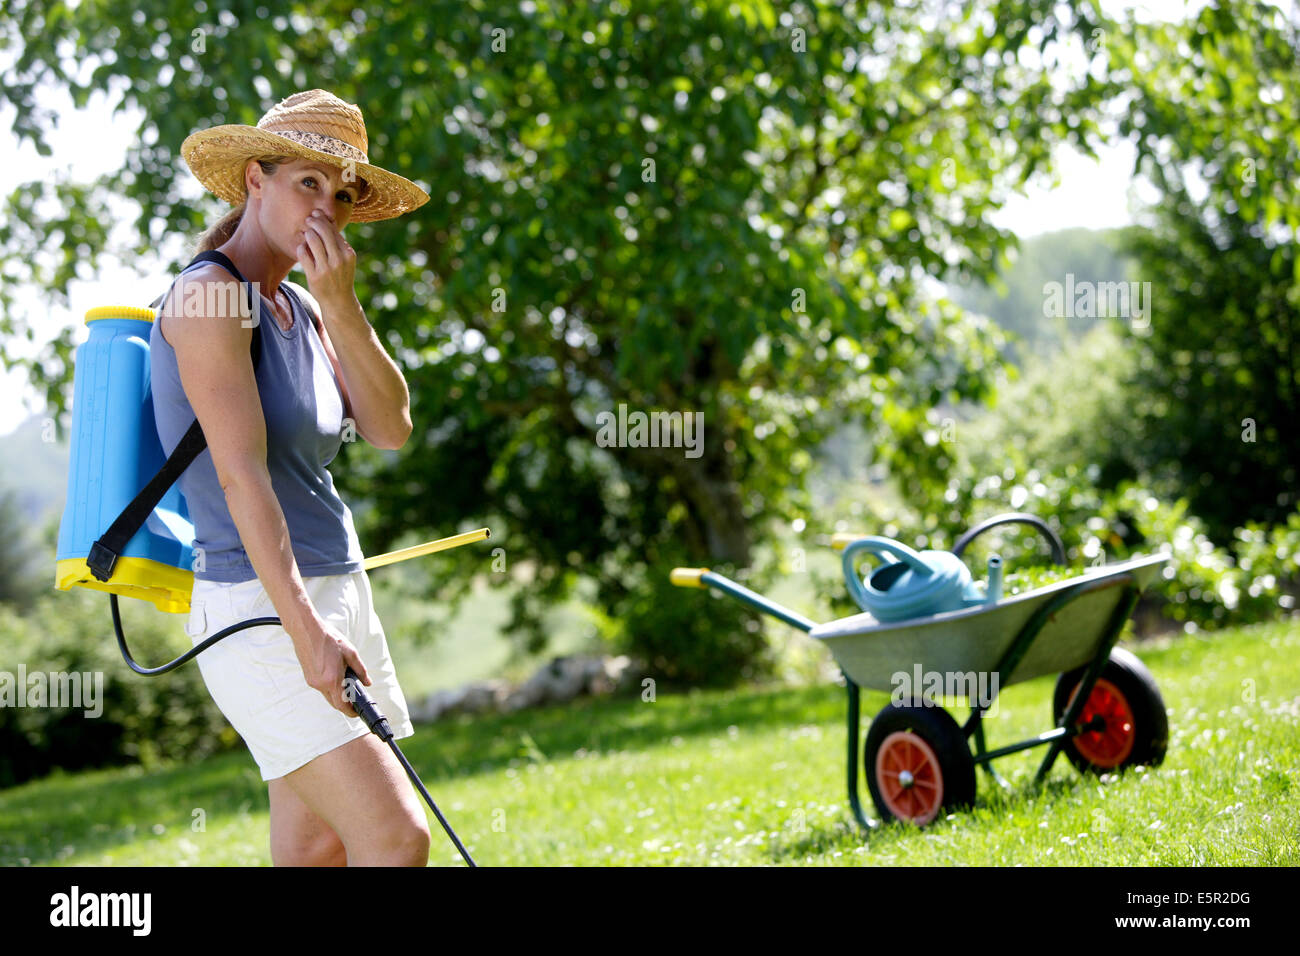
(271,534)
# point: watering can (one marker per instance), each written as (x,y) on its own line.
(907,584)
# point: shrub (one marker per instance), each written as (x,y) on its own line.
(145,719)
(1205,585)
(674,631)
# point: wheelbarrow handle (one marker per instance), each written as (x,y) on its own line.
(704,578)
(1015,517)
(842,539)
(688,577)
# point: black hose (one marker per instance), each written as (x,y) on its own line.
(188,655)
(353,692)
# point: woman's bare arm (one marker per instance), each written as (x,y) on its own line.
(377,391)
(216,370)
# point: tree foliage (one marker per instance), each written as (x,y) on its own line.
(722,208)
(1217,388)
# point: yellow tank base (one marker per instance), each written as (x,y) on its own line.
(167,587)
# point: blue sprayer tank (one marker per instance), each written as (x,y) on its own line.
(115,451)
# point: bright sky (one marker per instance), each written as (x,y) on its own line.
(1088,193)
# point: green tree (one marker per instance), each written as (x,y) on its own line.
(717,208)
(1217,388)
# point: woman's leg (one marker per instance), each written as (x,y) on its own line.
(351,803)
(360,791)
(298,836)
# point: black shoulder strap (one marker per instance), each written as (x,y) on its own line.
(221,259)
(105,552)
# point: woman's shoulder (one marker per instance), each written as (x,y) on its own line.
(193,292)
(203,292)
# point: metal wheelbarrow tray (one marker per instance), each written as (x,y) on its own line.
(978,639)
(1107,711)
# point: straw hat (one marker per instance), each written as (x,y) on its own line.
(314,125)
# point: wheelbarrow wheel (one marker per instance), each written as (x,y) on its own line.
(1135,728)
(917,764)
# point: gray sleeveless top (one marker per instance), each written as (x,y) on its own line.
(303,408)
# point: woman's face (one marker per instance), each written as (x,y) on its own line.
(288,197)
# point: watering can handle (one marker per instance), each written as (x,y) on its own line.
(887,550)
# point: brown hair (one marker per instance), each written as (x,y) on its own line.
(218,234)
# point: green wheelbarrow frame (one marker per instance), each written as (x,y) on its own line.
(1102,597)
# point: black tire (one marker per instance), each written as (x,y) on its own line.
(1130,678)
(952,766)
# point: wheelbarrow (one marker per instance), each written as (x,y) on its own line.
(918,761)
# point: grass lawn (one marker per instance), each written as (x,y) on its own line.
(750,777)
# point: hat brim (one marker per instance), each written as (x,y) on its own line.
(218,156)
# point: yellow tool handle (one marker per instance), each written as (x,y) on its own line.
(687,577)
(429,547)
(842,539)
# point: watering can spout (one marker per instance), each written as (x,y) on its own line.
(994,592)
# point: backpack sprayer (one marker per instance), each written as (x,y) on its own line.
(118,472)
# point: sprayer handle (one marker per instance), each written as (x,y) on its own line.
(355,694)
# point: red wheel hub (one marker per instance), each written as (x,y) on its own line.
(909,777)
(1110,746)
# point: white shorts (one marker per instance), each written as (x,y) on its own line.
(257,683)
